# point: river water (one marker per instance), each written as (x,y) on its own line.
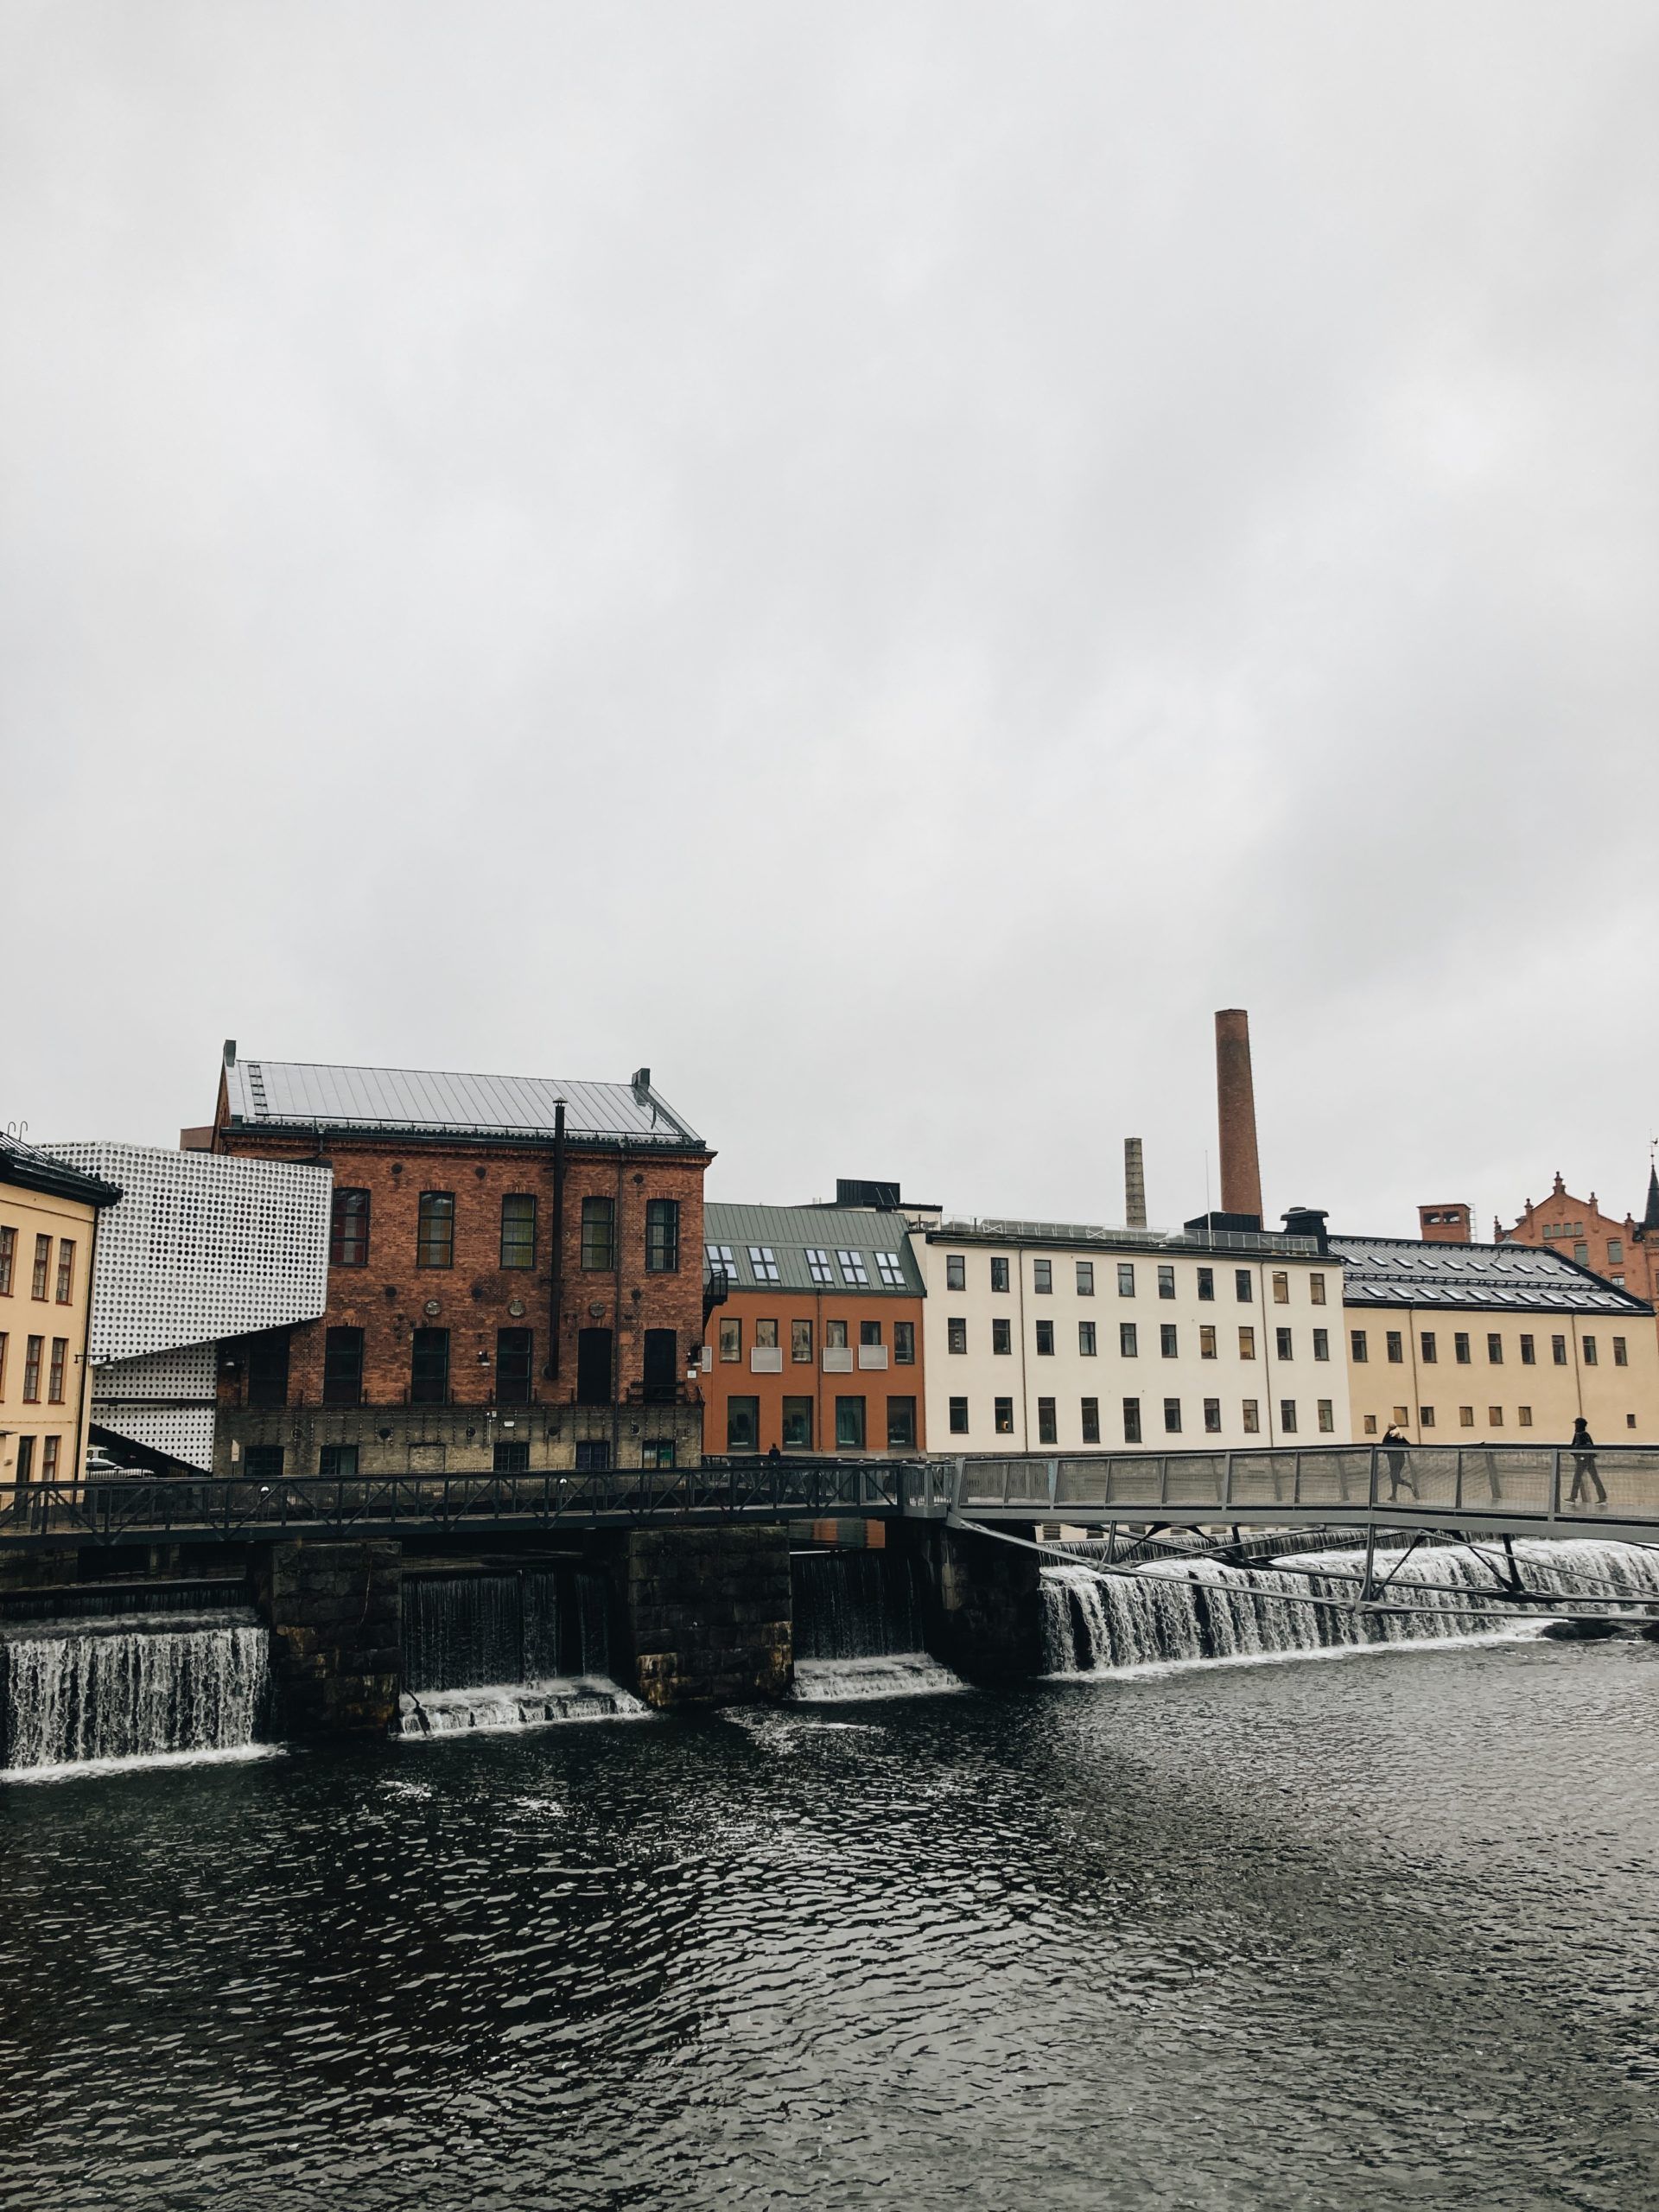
(1376,1930)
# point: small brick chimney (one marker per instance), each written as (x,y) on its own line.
(1241,1172)
(1444,1225)
(1134,1184)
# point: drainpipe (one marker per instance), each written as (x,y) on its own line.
(86,1359)
(1024,1375)
(555,1296)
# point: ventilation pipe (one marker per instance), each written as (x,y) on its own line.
(1241,1172)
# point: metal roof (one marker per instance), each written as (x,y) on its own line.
(788,1233)
(1401,1271)
(299,1094)
(28,1168)
(990,1229)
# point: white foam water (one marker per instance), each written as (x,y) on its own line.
(892,1674)
(107,1692)
(495,1706)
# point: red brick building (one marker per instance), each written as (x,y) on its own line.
(515,1275)
(1626,1252)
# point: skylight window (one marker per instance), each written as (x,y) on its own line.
(760,1259)
(852,1265)
(818,1261)
(721,1261)
(891,1274)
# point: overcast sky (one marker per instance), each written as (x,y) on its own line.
(884,560)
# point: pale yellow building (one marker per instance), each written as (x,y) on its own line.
(1493,1343)
(48,1238)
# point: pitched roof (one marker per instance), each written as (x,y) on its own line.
(29,1169)
(299,1094)
(1650,1218)
(787,1237)
(1401,1271)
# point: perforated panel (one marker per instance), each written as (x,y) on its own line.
(200,1247)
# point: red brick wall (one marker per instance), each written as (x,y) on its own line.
(387,1299)
(874,1385)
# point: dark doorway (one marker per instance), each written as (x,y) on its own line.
(662,1366)
(594,1367)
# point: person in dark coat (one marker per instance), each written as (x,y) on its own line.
(1395,1445)
(1584,1465)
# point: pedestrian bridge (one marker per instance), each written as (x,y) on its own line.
(1519,1490)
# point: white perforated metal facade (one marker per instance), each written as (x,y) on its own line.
(164,1401)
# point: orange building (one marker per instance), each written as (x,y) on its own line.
(1626,1252)
(816,1346)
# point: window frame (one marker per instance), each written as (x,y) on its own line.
(662,1236)
(435,1211)
(516,1243)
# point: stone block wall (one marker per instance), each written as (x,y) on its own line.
(984,1610)
(708,1612)
(335,1614)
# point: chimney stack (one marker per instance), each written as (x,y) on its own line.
(1134,1184)
(1241,1172)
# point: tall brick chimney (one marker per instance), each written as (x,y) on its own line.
(1134,1184)
(1241,1172)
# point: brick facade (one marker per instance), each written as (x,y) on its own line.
(1626,1252)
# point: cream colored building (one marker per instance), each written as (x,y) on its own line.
(1499,1344)
(1045,1335)
(48,1235)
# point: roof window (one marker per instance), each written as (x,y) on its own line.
(891,1273)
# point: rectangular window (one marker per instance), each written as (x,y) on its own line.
(869,1333)
(8,1259)
(835,1335)
(1252,1418)
(1206,1285)
(659,1368)
(429,1368)
(514,1364)
(901,1424)
(999,1274)
(817,1264)
(1206,1340)
(592,1455)
(1358,1346)
(721,1258)
(1528,1352)
(1246,1343)
(955,1271)
(1165,1282)
(5,1341)
(1370,1424)
(1131,1420)
(1495,1351)
(1048,1429)
(1002,1417)
(1581,1254)
(1085,1339)
(1316,1290)
(338,1461)
(1494,1416)
(519,1230)
(852,1267)
(1558,1350)
(1327,1415)
(348,1229)
(731,1338)
(1288,1416)
(798,1424)
(800,1344)
(1425,1416)
(1590,1355)
(742,1424)
(43,1265)
(849,1424)
(1002,1336)
(268,1368)
(1171,1416)
(510,1457)
(1126,1279)
(1045,1340)
(1431,1350)
(955,1333)
(1242,1284)
(764,1261)
(891,1271)
(1621,1352)
(1281,1288)
(1460,1347)
(1042,1277)
(262,1463)
(1281,1344)
(1615,1251)
(1466,1417)
(904,1344)
(50,1445)
(1212,1416)
(342,1367)
(1401,1415)
(1091,1421)
(659,1453)
(958,1416)
(1085,1278)
(65,1270)
(662,1236)
(1168,1341)
(1321,1344)
(54,1374)
(435,1237)
(1523,1416)
(1128,1342)
(34,1353)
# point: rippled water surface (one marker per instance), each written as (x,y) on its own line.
(1378,1932)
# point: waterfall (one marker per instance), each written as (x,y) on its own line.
(1201,1609)
(508,1649)
(134,1687)
(858,1628)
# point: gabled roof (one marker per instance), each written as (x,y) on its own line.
(792,1233)
(428,1101)
(29,1169)
(1401,1271)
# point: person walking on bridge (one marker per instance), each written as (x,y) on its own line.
(1584,1465)
(1395,1450)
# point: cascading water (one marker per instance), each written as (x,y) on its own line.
(858,1628)
(118,1688)
(515,1650)
(1200,1609)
